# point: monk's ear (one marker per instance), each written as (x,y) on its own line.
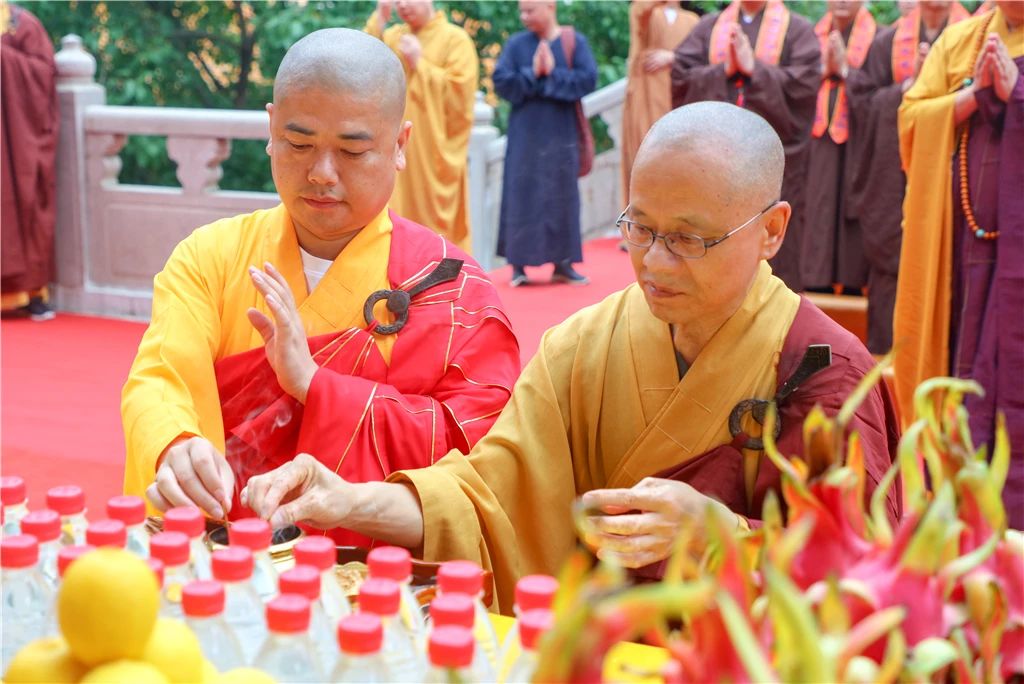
(775,220)
(403,139)
(270,116)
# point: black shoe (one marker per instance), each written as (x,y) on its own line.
(564,273)
(38,310)
(518,277)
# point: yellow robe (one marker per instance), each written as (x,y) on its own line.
(600,405)
(927,141)
(200,300)
(441,91)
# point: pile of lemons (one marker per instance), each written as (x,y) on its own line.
(107,609)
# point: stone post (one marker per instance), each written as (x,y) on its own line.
(483,231)
(76,91)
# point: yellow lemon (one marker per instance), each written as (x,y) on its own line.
(125,672)
(107,606)
(174,650)
(44,660)
(245,675)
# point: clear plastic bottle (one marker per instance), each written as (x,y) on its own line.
(450,650)
(131,510)
(171,549)
(68,554)
(44,525)
(466,577)
(106,533)
(189,521)
(532,625)
(255,535)
(304,580)
(15,503)
(157,566)
(382,597)
(203,601)
(69,501)
(395,563)
(288,654)
(243,610)
(321,553)
(533,592)
(27,602)
(460,610)
(360,637)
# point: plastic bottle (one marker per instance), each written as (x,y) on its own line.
(288,654)
(460,610)
(532,625)
(189,521)
(466,577)
(68,554)
(450,650)
(304,580)
(321,553)
(255,535)
(395,563)
(106,533)
(69,501)
(533,592)
(131,510)
(157,566)
(382,597)
(44,525)
(171,549)
(27,602)
(243,610)
(203,602)
(360,637)
(15,503)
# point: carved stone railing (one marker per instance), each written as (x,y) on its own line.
(112,238)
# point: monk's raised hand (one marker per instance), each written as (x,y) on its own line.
(742,52)
(837,54)
(411,49)
(284,337)
(1005,71)
(302,490)
(384,10)
(193,473)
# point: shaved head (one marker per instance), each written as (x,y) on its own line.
(737,148)
(347,61)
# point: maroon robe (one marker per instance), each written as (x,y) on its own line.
(451,372)
(785,95)
(28,182)
(987,313)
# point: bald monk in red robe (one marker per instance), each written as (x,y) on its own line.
(762,57)
(327,325)
(643,400)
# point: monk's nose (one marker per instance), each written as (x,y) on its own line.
(324,171)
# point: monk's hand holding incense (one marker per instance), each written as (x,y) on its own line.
(283,335)
(638,526)
(302,490)
(193,473)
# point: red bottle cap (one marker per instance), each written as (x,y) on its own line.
(319,552)
(460,577)
(288,613)
(171,548)
(19,551)
(68,554)
(535,591)
(232,564)
(532,626)
(380,597)
(106,533)
(131,510)
(451,647)
(188,520)
(66,500)
(157,566)
(12,490)
(202,598)
(452,609)
(303,580)
(44,525)
(360,634)
(390,562)
(252,533)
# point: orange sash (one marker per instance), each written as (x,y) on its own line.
(770,37)
(856,50)
(907,38)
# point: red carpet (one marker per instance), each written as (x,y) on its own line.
(60,381)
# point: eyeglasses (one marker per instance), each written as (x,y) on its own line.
(683,245)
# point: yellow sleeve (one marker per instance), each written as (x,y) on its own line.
(928,106)
(446,91)
(171,389)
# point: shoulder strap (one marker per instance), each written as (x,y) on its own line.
(568,43)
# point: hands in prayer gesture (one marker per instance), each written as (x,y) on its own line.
(302,490)
(995,68)
(922,54)
(741,55)
(193,473)
(543,59)
(656,60)
(283,336)
(835,56)
(411,49)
